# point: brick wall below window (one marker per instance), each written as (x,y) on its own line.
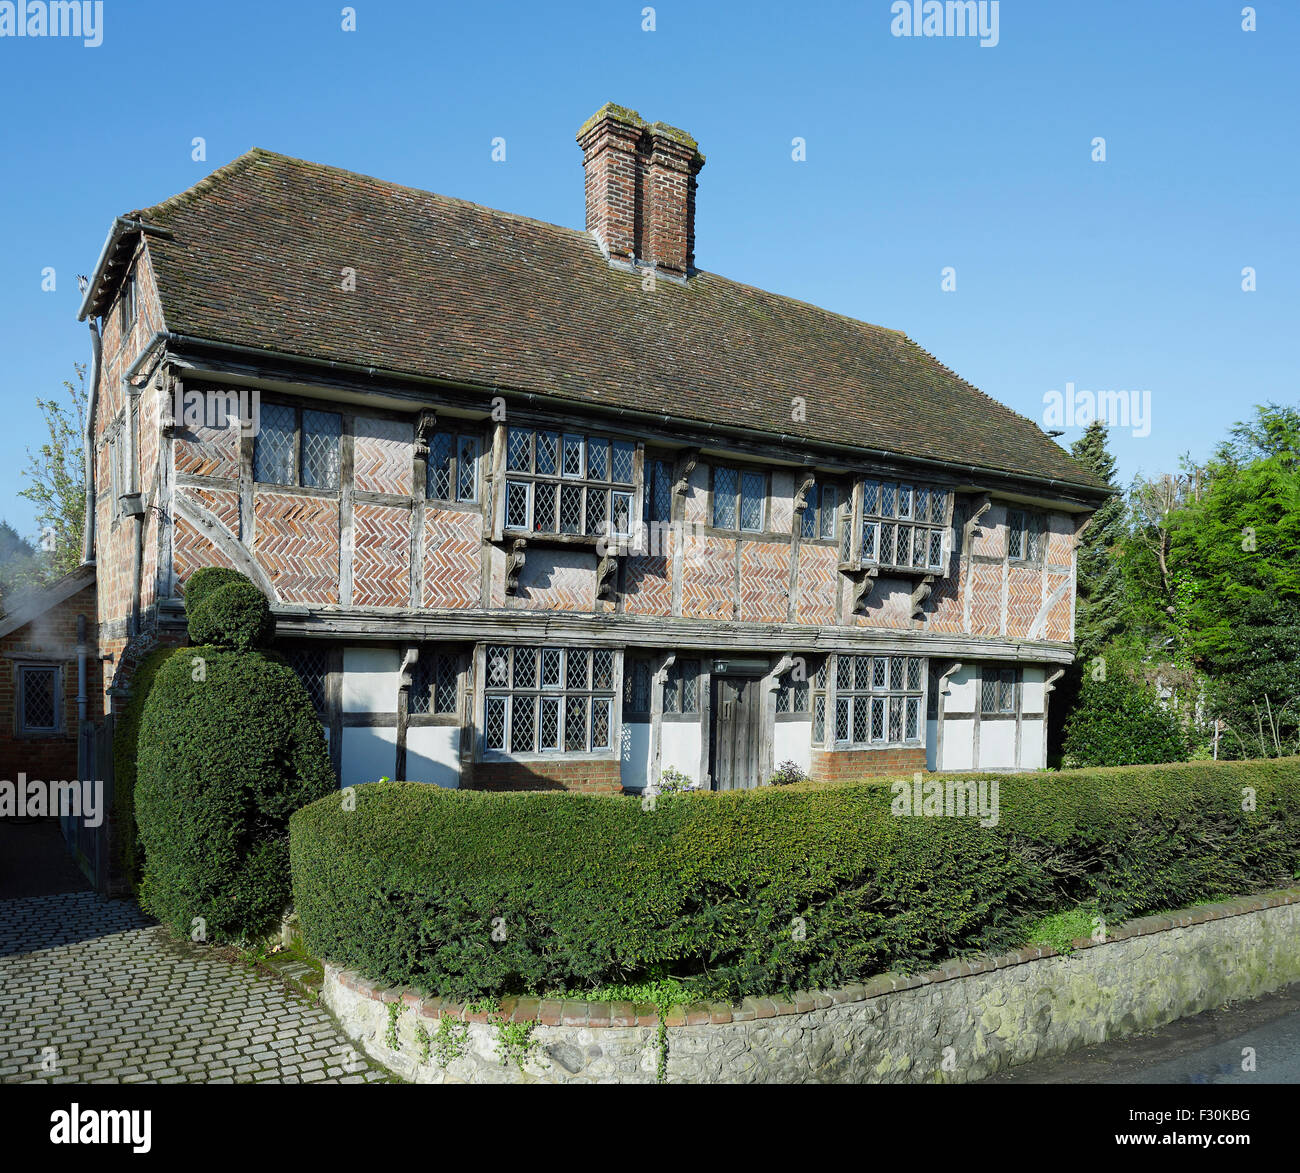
(600,777)
(847,764)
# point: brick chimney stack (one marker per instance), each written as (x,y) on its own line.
(640,181)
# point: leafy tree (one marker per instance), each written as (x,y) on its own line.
(19,565)
(1100,614)
(57,478)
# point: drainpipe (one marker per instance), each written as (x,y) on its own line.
(134,506)
(82,698)
(88,525)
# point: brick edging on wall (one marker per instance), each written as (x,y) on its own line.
(578,1013)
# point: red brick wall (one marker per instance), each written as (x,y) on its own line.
(603,777)
(849,764)
(54,632)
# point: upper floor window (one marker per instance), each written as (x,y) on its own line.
(681,688)
(297,446)
(126,307)
(658,497)
(38,698)
(997,691)
(452,470)
(1025,531)
(739,499)
(549,700)
(903,526)
(567,483)
(878,699)
(819,513)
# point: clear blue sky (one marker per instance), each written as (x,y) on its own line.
(921,153)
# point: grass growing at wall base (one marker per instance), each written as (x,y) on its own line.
(471,895)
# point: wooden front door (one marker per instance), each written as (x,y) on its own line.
(735,731)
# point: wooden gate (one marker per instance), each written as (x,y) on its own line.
(89,845)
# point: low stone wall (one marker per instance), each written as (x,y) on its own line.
(958,1023)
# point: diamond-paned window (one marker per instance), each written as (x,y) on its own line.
(997,690)
(570,509)
(39,688)
(517,504)
(434,683)
(598,460)
(320,449)
(917,544)
(792,696)
(558,700)
(312,666)
(872,694)
(739,499)
(724,498)
(1025,532)
(452,471)
(659,501)
(620,468)
(636,686)
(273,446)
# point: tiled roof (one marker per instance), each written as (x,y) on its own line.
(451,290)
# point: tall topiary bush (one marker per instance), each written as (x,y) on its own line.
(229,748)
(126,738)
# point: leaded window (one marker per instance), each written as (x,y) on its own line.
(435,681)
(903,526)
(681,687)
(1025,531)
(818,521)
(38,700)
(566,483)
(297,446)
(658,499)
(739,499)
(637,676)
(451,473)
(878,700)
(997,691)
(793,695)
(549,700)
(312,666)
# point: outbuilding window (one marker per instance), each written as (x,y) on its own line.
(38,698)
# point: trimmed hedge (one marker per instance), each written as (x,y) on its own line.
(204,581)
(234,615)
(751,892)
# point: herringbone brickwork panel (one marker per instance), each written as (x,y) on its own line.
(708,578)
(649,584)
(382,456)
(991,533)
(815,602)
(889,605)
(381,563)
(209,452)
(556,580)
(944,605)
(985,598)
(191,549)
(1060,539)
(1058,618)
(451,558)
(764,581)
(1024,599)
(298,545)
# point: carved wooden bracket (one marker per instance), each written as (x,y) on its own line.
(920,594)
(801,492)
(408,666)
(1050,683)
(424,424)
(607,577)
(166,414)
(514,564)
(979,508)
(860,592)
(685,465)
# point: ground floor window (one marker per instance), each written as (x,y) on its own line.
(548,700)
(997,691)
(38,698)
(877,700)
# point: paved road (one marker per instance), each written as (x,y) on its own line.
(93,991)
(1210,1048)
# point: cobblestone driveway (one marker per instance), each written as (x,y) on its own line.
(119,1001)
